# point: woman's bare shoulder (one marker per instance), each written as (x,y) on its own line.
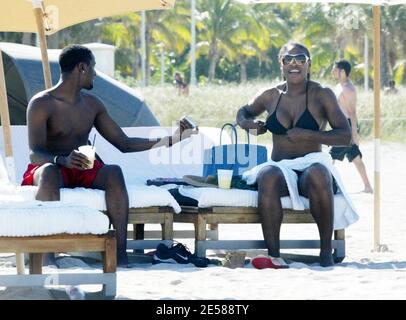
(270,92)
(320,90)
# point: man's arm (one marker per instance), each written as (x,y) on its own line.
(37,117)
(112,132)
(349,97)
(340,135)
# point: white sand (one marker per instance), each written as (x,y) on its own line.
(362,275)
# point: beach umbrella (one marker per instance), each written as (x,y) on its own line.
(377,93)
(46,17)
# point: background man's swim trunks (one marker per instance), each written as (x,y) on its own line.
(351,152)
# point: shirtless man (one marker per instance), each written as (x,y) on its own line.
(180,84)
(347,99)
(391,89)
(59,121)
(298,112)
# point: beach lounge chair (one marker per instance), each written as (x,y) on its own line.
(148,204)
(36,227)
(175,162)
(217,206)
(158,202)
(201,217)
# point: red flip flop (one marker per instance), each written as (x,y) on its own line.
(264,262)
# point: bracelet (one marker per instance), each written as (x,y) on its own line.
(167,143)
(55,160)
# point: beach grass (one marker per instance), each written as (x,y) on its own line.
(214,105)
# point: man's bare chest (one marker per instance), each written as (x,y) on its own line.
(70,121)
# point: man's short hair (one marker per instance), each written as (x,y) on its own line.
(72,55)
(343,65)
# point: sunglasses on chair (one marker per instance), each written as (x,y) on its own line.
(300,59)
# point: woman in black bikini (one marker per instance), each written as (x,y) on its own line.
(299,110)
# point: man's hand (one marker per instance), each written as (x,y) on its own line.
(75,160)
(355,139)
(298,135)
(183,132)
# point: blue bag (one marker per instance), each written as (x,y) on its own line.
(238,157)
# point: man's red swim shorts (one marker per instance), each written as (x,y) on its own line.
(72,178)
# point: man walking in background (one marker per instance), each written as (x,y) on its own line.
(347,100)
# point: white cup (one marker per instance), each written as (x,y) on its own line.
(89,152)
(224,178)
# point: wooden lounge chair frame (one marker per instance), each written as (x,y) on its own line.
(164,216)
(138,217)
(200,217)
(37,246)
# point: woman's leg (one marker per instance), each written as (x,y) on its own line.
(316,183)
(271,187)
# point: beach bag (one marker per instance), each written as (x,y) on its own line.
(238,157)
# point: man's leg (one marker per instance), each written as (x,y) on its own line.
(316,183)
(271,187)
(359,164)
(49,180)
(110,179)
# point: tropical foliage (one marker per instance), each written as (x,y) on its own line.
(237,42)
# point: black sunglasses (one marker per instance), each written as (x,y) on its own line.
(300,59)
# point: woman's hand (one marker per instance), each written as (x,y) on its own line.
(256,127)
(298,135)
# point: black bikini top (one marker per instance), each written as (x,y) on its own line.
(306,120)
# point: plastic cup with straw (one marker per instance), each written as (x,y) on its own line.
(89,152)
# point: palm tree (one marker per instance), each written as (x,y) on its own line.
(276,20)
(123,32)
(219,21)
(167,30)
(319,35)
(264,29)
(393,33)
(248,39)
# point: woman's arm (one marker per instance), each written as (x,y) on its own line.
(246,115)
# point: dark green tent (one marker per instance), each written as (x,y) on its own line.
(24,78)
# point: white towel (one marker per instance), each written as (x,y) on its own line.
(36,218)
(288,165)
(214,197)
(140,196)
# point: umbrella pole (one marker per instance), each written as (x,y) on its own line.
(5,123)
(193,79)
(5,119)
(143,51)
(38,13)
(377,127)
